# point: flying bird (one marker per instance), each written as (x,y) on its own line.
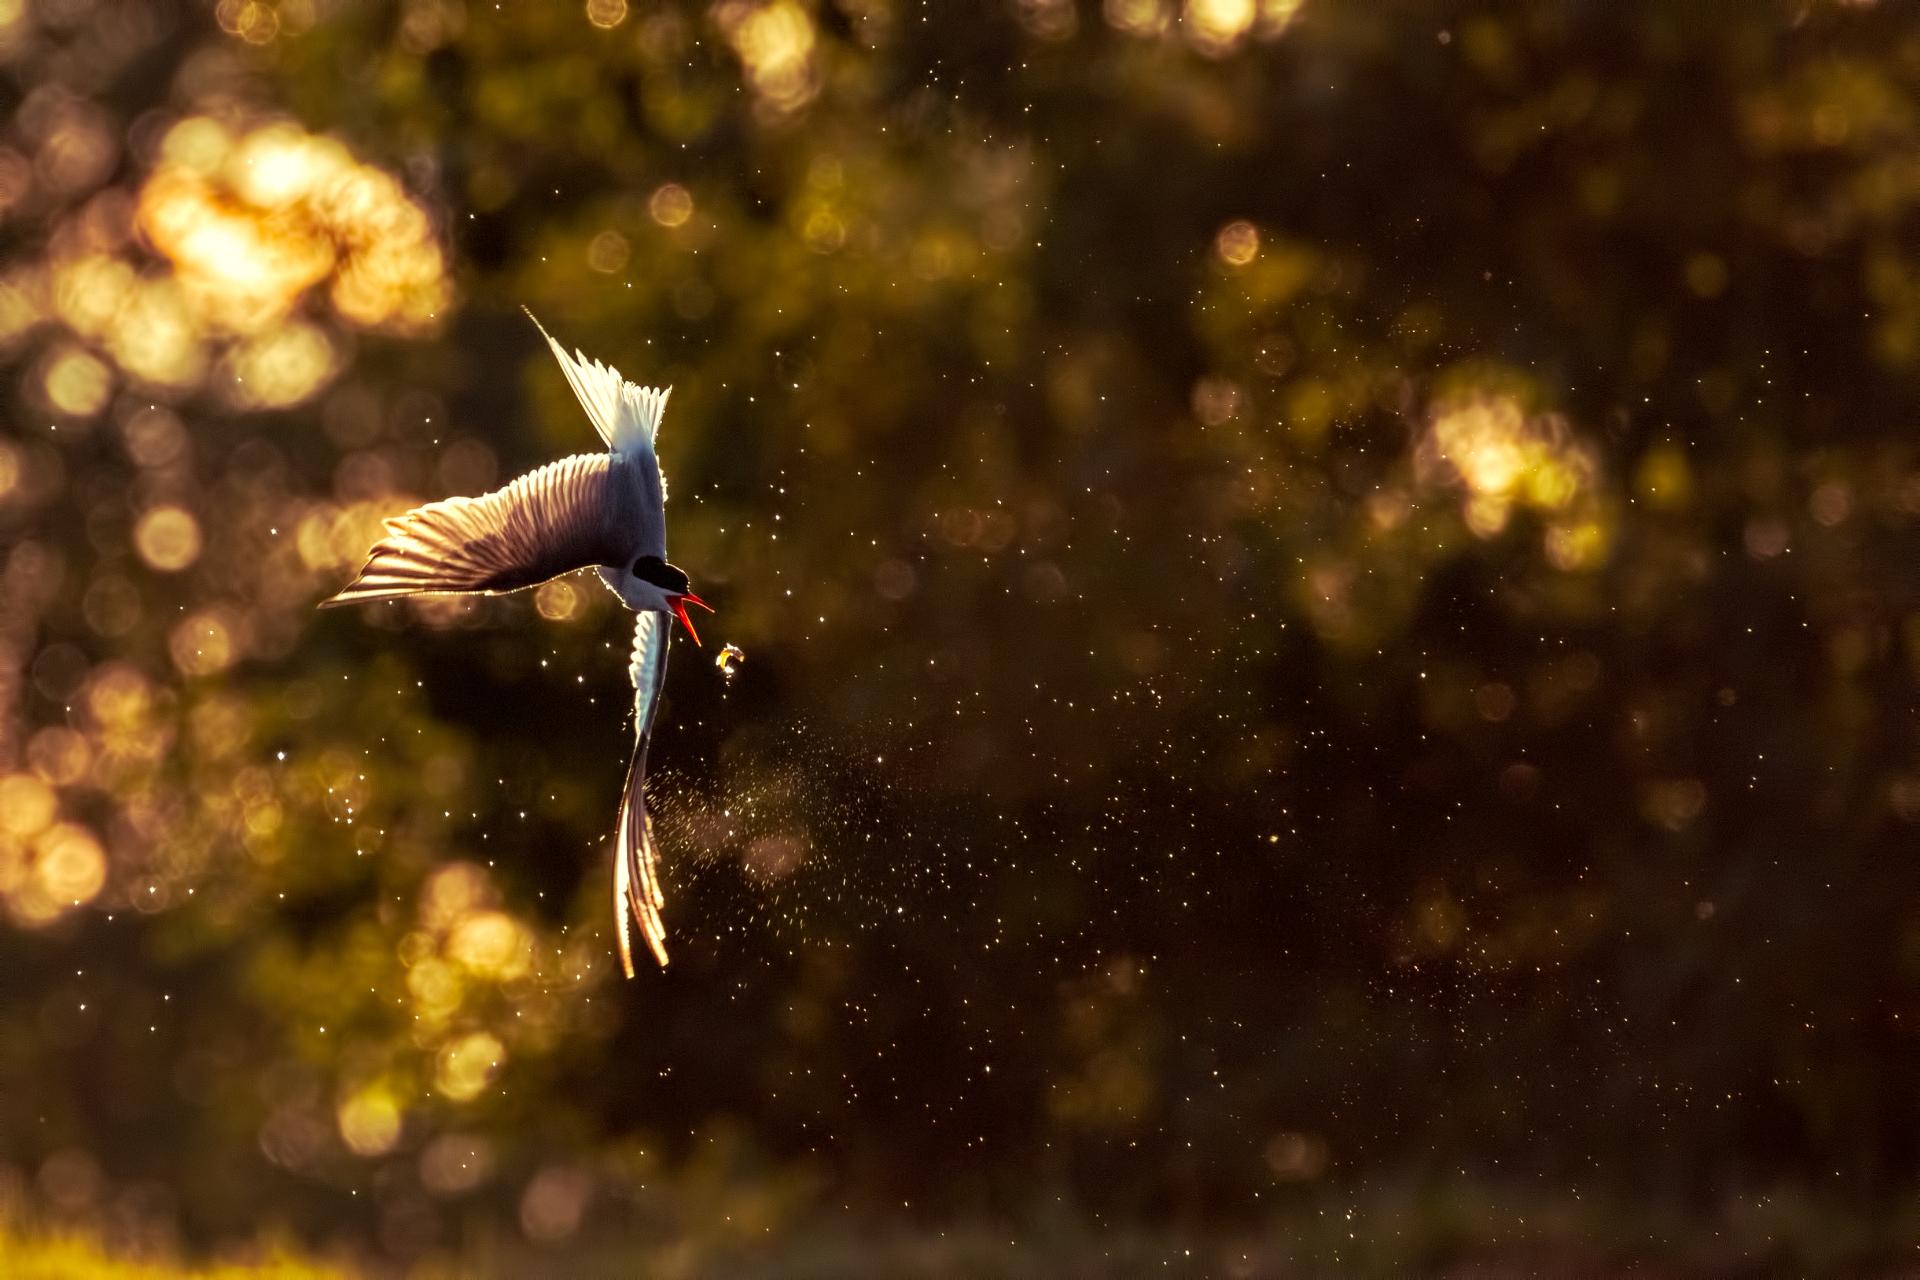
(607,510)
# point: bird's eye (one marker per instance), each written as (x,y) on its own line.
(654,570)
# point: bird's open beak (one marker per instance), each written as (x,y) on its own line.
(680,604)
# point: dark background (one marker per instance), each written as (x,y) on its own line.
(1330,606)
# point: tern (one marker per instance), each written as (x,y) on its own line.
(606,510)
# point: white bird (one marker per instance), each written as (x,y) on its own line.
(602,509)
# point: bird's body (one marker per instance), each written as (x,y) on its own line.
(606,510)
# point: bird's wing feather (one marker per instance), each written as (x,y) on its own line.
(636,880)
(626,415)
(574,512)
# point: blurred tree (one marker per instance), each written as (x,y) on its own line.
(1333,595)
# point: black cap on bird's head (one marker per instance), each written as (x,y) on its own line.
(674,584)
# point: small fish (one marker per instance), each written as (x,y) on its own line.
(730,659)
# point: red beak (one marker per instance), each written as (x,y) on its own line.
(680,603)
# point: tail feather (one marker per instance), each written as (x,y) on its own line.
(627,416)
(636,871)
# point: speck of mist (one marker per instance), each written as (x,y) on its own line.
(801,835)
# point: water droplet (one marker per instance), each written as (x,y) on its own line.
(730,659)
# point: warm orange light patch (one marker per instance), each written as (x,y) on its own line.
(369,1120)
(467,1064)
(775,44)
(167,538)
(1505,458)
(59,868)
(251,223)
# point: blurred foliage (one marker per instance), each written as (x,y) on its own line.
(62,1258)
(1332,594)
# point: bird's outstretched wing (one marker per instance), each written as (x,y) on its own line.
(636,880)
(578,511)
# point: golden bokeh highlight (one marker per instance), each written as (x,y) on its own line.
(467,1064)
(491,945)
(248,225)
(168,539)
(330,538)
(119,697)
(1276,16)
(252,221)
(77,383)
(27,806)
(558,600)
(242,271)
(1238,243)
(157,336)
(369,1120)
(608,252)
(1579,544)
(205,643)
(436,989)
(606,14)
(260,22)
(452,892)
(824,231)
(1215,27)
(1663,477)
(281,367)
(71,867)
(87,290)
(56,870)
(1139,17)
(23,303)
(1504,459)
(775,44)
(671,205)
